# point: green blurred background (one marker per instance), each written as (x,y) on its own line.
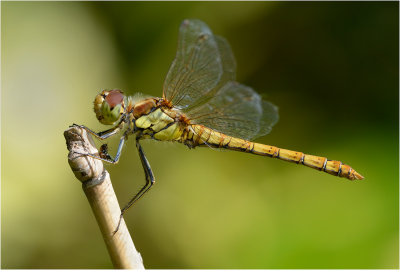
(331,67)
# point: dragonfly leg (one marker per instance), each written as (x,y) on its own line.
(102,134)
(105,156)
(150,180)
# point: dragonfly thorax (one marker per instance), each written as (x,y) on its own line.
(153,119)
(144,107)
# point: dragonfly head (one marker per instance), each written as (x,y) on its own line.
(109,106)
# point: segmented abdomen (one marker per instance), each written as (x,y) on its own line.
(201,136)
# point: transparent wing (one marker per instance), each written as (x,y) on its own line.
(236,110)
(227,59)
(201,83)
(197,67)
(228,74)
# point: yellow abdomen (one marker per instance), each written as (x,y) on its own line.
(202,136)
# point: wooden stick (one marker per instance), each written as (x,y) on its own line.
(97,186)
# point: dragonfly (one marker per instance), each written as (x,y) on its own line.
(202,105)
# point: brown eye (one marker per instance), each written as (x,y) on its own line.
(114,98)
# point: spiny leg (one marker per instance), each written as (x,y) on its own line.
(150,180)
(103,154)
(103,134)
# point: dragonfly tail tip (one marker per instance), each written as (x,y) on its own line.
(358,176)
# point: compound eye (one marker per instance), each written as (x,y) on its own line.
(114,98)
(109,106)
